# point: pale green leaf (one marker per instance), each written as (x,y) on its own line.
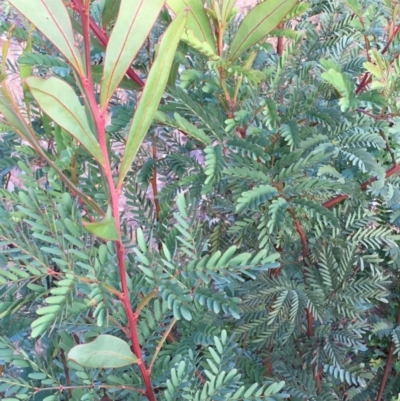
(59,101)
(226,9)
(105,228)
(134,23)
(261,20)
(103,353)
(110,11)
(202,47)
(152,92)
(52,19)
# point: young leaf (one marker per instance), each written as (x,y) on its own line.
(152,92)
(227,6)
(105,228)
(52,19)
(261,20)
(104,352)
(202,47)
(134,23)
(59,101)
(197,20)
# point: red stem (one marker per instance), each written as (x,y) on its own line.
(304,242)
(303,237)
(389,363)
(99,118)
(340,198)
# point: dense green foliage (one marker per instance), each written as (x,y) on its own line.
(259,219)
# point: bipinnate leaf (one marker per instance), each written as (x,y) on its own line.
(59,101)
(52,19)
(203,47)
(106,228)
(343,84)
(261,20)
(134,22)
(152,92)
(255,196)
(197,20)
(104,352)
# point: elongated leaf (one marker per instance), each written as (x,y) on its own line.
(52,19)
(59,101)
(134,22)
(261,20)
(110,11)
(104,352)
(227,6)
(152,92)
(105,228)
(197,20)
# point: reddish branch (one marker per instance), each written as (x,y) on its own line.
(389,363)
(304,253)
(99,119)
(279,44)
(66,371)
(340,198)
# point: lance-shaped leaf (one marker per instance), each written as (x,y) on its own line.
(197,20)
(152,92)
(226,8)
(110,11)
(59,101)
(261,20)
(104,352)
(52,19)
(134,23)
(106,228)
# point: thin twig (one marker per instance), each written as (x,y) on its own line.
(105,386)
(389,363)
(161,343)
(304,253)
(388,148)
(66,371)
